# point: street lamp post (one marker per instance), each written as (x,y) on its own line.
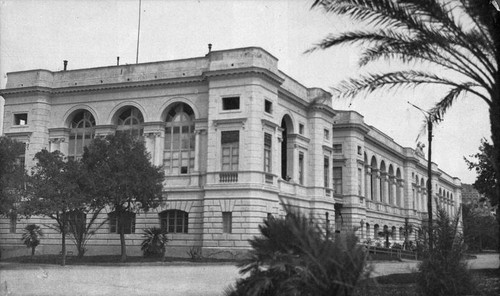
(428,118)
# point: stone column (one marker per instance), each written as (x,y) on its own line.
(367,183)
(197,150)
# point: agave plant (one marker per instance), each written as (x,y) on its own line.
(154,243)
(32,237)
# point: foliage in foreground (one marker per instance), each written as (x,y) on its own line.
(154,243)
(31,237)
(294,257)
(443,270)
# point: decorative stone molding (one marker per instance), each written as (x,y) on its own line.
(57,140)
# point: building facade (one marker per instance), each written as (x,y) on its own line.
(236,137)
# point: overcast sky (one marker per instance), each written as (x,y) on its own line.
(41,34)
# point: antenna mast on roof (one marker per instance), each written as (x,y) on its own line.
(138,34)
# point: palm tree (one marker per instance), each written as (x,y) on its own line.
(460,39)
(32,237)
(296,257)
(154,243)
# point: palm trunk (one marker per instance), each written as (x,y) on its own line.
(495,118)
(32,252)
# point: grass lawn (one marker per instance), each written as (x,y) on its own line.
(487,280)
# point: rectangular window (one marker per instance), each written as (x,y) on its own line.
(301,128)
(301,168)
(337,148)
(326,134)
(128,222)
(360,181)
(326,171)
(13,223)
(231,103)
(21,119)
(268,106)
(230,150)
(267,152)
(337,180)
(360,151)
(227,221)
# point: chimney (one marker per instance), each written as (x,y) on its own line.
(118,61)
(209,47)
(65,65)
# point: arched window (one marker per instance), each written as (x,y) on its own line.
(373,178)
(174,221)
(81,133)
(393,232)
(130,121)
(128,222)
(401,233)
(287,150)
(367,230)
(375,231)
(179,140)
(383,182)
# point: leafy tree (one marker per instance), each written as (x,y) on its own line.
(56,188)
(456,43)
(123,177)
(480,228)
(486,180)
(294,257)
(12,175)
(31,237)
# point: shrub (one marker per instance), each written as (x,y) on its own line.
(443,270)
(295,257)
(397,246)
(154,243)
(31,237)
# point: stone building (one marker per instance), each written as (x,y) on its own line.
(236,137)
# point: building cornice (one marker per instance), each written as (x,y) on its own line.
(357,126)
(272,77)
(99,87)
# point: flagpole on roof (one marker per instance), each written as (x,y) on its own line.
(138,34)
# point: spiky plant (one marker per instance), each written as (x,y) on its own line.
(453,44)
(294,257)
(31,237)
(443,270)
(154,243)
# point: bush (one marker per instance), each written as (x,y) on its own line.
(155,240)
(443,270)
(295,257)
(397,246)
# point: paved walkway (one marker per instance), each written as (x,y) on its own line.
(158,279)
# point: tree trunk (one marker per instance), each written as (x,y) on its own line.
(122,237)
(63,255)
(32,252)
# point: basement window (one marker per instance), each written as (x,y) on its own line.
(231,103)
(21,119)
